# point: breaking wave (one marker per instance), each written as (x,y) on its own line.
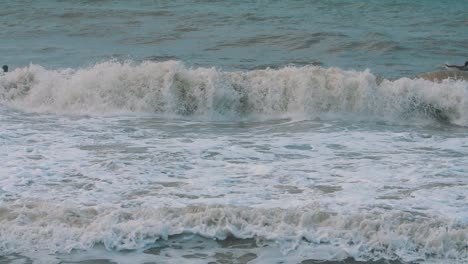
(37,226)
(170,88)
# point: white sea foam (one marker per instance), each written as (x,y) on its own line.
(170,88)
(316,188)
(36,226)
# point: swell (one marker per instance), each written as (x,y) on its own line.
(170,88)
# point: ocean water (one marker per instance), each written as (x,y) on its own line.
(233,132)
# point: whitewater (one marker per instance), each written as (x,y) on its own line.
(319,163)
(233,132)
(171,89)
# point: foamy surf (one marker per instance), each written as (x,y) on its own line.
(171,89)
(130,159)
(309,232)
(282,132)
(291,191)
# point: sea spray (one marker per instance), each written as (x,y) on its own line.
(169,88)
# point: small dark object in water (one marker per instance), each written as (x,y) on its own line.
(5,68)
(460,67)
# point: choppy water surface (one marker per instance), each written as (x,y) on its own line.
(233,132)
(396,38)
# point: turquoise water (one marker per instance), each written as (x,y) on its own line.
(233,132)
(392,38)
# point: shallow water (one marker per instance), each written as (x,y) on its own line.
(315,189)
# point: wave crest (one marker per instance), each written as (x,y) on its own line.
(171,88)
(365,236)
